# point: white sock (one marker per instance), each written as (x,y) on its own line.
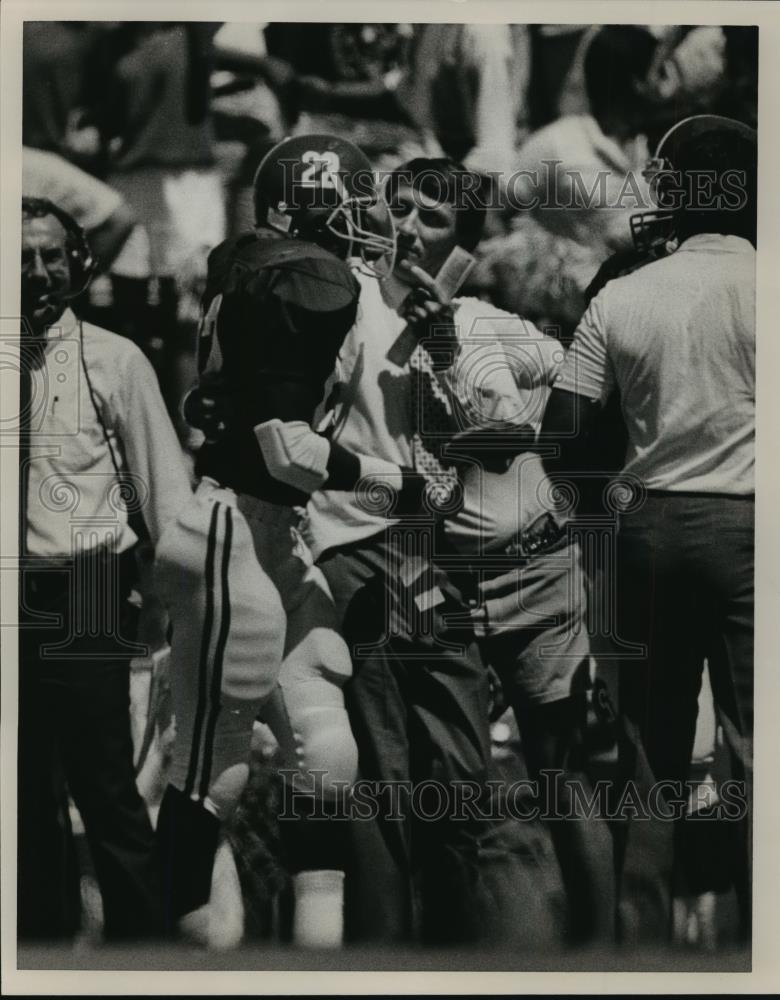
(319,909)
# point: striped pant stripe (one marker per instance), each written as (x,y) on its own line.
(219,657)
(204,666)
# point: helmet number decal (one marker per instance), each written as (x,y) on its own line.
(322,170)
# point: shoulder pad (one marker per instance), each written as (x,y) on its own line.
(246,254)
(295,270)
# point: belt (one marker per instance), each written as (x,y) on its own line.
(49,583)
(542,536)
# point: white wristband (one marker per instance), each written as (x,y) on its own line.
(294,453)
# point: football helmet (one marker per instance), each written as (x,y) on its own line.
(678,152)
(323,188)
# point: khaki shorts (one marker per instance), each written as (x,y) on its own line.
(535,634)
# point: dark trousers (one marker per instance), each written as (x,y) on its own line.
(553,741)
(418,706)
(534,637)
(685,594)
(74,734)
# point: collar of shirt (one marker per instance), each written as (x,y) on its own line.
(719,242)
(63,328)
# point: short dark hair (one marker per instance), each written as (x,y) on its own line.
(41,208)
(617,58)
(450,183)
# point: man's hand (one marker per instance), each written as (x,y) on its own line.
(425,307)
(430,317)
(209,407)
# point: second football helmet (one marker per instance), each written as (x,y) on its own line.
(687,149)
(323,188)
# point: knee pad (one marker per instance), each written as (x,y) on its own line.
(316,743)
(328,753)
(322,656)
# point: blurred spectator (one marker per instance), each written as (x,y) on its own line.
(299,78)
(248,90)
(579,181)
(705,69)
(157,122)
(580,163)
(556,87)
(687,75)
(467,90)
(241,55)
(55,86)
(351,68)
(247,110)
(346,78)
(98,209)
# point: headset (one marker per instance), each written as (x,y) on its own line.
(83,266)
(83,263)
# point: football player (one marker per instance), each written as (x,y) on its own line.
(675,340)
(253,621)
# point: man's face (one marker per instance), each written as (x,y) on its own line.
(425,229)
(45,271)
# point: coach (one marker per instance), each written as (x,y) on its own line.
(676,339)
(96,445)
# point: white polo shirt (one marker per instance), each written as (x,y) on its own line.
(500,378)
(72,499)
(677,341)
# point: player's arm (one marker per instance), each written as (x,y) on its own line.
(293,452)
(300,457)
(570,422)
(584,382)
(297,455)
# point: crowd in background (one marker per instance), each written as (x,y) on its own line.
(173,118)
(149,134)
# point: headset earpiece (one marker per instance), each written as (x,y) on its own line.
(82,267)
(82,261)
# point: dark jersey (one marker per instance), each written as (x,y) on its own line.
(280,310)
